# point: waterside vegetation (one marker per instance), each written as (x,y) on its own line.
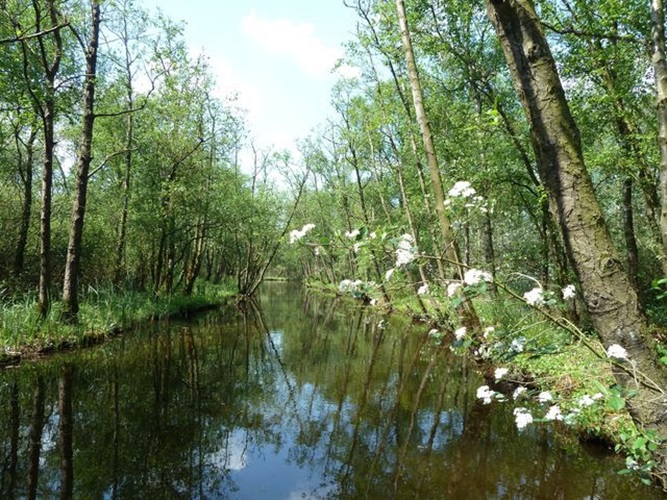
(497,169)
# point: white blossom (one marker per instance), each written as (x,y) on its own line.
(535,297)
(586,400)
(617,351)
(518,392)
(544,397)
(352,234)
(500,373)
(356,247)
(459,333)
(463,189)
(485,394)
(296,234)
(422,290)
(433,332)
(522,417)
(475,276)
(388,274)
(406,252)
(517,345)
(488,331)
(554,413)
(453,288)
(346,286)
(569,292)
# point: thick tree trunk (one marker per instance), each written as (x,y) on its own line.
(610,299)
(467,311)
(73,262)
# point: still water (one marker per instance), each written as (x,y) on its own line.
(301,397)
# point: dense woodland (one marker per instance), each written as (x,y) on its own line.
(526,140)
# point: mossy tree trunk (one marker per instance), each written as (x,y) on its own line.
(610,299)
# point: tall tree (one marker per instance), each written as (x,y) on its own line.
(660,71)
(469,315)
(48,21)
(73,262)
(610,300)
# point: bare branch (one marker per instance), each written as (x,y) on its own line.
(23,38)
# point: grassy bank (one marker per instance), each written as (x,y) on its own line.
(104,312)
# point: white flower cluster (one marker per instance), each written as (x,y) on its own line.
(296,234)
(475,276)
(423,290)
(569,292)
(500,373)
(522,417)
(485,394)
(453,288)
(535,297)
(587,400)
(352,234)
(617,351)
(462,189)
(459,333)
(406,251)
(349,286)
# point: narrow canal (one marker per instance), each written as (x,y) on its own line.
(302,397)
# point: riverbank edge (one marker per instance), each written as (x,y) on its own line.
(614,430)
(178,307)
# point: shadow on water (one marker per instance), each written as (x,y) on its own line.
(295,396)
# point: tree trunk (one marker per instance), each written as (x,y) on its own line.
(467,311)
(73,262)
(660,71)
(44,299)
(50,56)
(26,174)
(629,233)
(610,299)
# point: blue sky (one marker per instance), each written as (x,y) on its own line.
(277,54)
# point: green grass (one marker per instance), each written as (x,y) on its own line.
(103,311)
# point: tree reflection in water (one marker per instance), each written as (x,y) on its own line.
(291,396)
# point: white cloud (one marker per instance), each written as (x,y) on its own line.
(296,41)
(228,81)
(347,71)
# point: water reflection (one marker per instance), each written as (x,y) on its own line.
(294,397)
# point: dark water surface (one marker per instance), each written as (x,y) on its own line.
(309,399)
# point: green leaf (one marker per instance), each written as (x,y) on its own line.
(616,403)
(639,443)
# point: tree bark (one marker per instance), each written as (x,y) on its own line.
(73,262)
(26,174)
(630,239)
(660,71)
(611,301)
(49,59)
